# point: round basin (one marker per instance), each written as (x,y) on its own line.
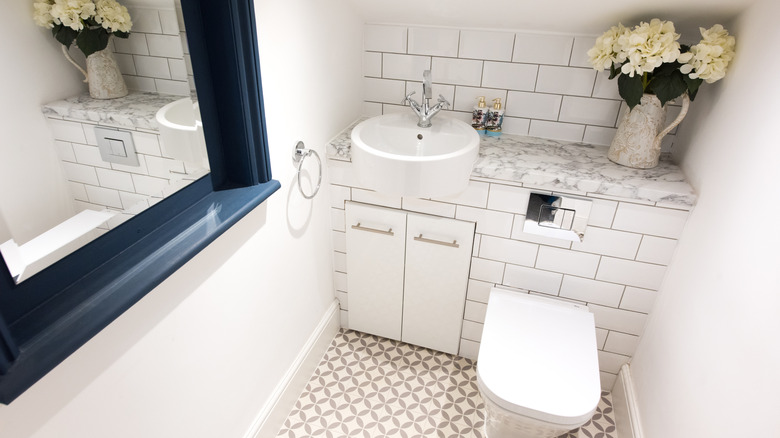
(392,155)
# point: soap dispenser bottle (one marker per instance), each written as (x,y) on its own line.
(479,115)
(495,118)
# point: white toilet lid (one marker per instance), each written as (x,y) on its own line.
(538,358)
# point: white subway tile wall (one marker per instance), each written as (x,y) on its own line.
(616,270)
(545,82)
(155,58)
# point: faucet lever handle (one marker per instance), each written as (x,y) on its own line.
(444,101)
(407,98)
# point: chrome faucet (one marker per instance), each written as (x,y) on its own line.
(425,111)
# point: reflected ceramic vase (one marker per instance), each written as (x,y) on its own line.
(105,79)
(637,142)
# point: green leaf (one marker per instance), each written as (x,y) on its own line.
(630,89)
(613,71)
(64,34)
(669,86)
(92,40)
(120,34)
(693,86)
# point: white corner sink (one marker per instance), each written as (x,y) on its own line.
(392,155)
(182,132)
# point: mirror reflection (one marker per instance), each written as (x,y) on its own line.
(78,161)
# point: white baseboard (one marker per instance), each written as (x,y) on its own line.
(272,416)
(624,403)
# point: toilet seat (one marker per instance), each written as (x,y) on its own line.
(538,358)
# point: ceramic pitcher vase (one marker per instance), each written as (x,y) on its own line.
(103,75)
(637,142)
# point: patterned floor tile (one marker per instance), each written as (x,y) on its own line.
(366,386)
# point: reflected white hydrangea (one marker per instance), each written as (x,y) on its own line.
(709,59)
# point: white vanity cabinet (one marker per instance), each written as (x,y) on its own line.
(407,275)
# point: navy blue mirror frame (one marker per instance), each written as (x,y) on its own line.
(49,316)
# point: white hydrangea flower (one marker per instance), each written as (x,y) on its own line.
(710,58)
(113,16)
(72,13)
(42,13)
(605,53)
(647,46)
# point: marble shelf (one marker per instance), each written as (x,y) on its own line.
(571,167)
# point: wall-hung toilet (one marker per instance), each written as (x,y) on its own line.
(537,369)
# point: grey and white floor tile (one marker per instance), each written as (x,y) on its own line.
(367,386)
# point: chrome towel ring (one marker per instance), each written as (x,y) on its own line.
(299,155)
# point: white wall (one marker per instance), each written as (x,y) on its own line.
(34,196)
(707,365)
(200,355)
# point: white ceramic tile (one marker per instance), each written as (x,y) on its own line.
(579,53)
(139,169)
(152,67)
(478,290)
(601,338)
(372,64)
(533,105)
(508,198)
(456,71)
(344,318)
(380,38)
(591,291)
(621,343)
(433,41)
(176,88)
(475,247)
(78,190)
(163,167)
(589,111)
(408,67)
(338,195)
(567,262)
(184,44)
(103,196)
(135,44)
(466,98)
(371,109)
(448,91)
(532,279)
(487,270)
(631,273)
(125,63)
(169,22)
(64,151)
(343,298)
(146,143)
(475,311)
(624,321)
(337,219)
(573,81)
(611,362)
(133,201)
(178,69)
(428,207)
(609,242)
(468,349)
(113,179)
(518,234)
(494,46)
(383,90)
(80,173)
(371,197)
(656,221)
(639,300)
(67,131)
(145,20)
(516,126)
(392,109)
(607,381)
(602,212)
(556,130)
(342,173)
(507,250)
(510,76)
(475,195)
(339,262)
(340,281)
(339,241)
(599,135)
(89,155)
(140,83)
(472,330)
(149,185)
(494,223)
(605,87)
(168,46)
(542,49)
(656,250)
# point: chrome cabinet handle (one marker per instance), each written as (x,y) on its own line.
(420,238)
(389,232)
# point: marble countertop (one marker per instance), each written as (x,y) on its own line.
(565,166)
(136,110)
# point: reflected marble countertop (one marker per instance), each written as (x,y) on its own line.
(566,166)
(136,110)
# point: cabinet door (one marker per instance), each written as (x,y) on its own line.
(375,269)
(438,257)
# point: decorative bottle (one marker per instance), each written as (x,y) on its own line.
(479,115)
(495,118)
